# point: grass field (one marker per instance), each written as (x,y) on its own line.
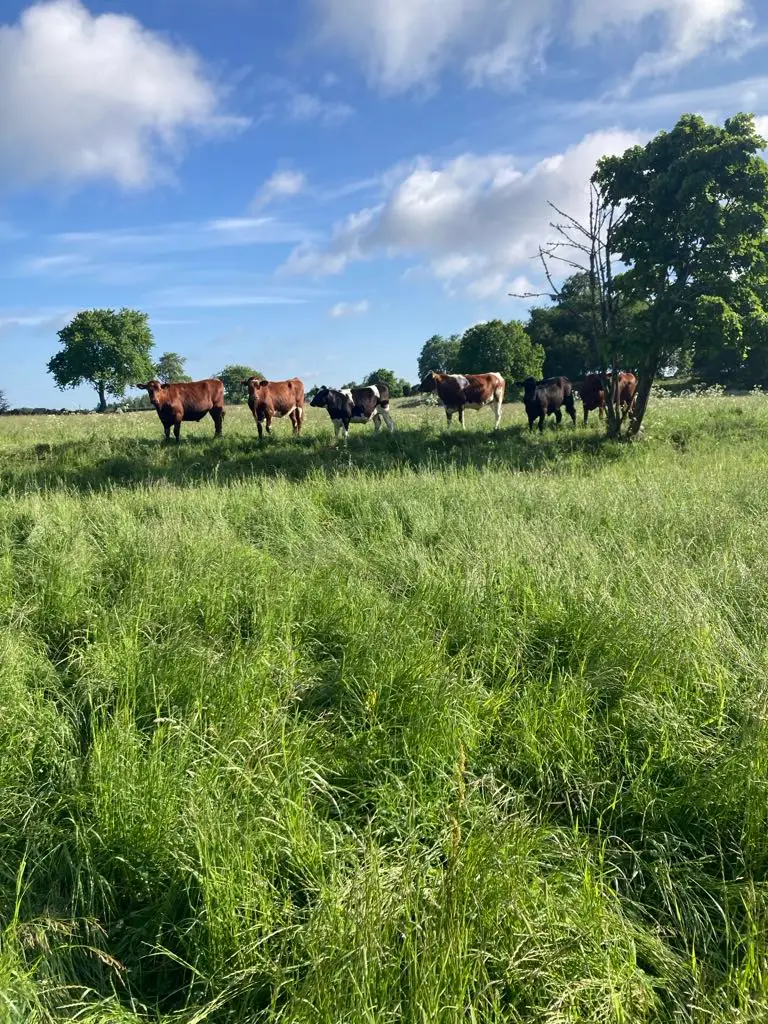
(440,728)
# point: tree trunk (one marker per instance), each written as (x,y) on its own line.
(100,387)
(644,385)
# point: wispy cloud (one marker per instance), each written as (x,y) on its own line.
(282,184)
(348,309)
(200,298)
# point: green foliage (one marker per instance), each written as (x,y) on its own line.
(107,349)
(232,378)
(693,232)
(296,734)
(502,347)
(170,368)
(439,355)
(4,406)
(397,386)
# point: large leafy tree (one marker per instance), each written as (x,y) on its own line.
(105,348)
(561,330)
(232,378)
(504,347)
(439,355)
(169,368)
(3,402)
(692,234)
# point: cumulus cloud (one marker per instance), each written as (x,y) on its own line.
(404,43)
(281,185)
(475,220)
(345,309)
(97,96)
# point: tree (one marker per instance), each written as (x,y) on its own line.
(504,347)
(169,368)
(4,406)
(107,349)
(439,355)
(389,380)
(232,378)
(562,330)
(692,233)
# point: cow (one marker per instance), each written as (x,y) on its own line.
(189,401)
(459,391)
(542,398)
(593,393)
(268,399)
(355,405)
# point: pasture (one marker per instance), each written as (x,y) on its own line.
(437,728)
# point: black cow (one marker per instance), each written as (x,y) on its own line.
(542,398)
(355,405)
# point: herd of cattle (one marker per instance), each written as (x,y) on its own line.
(273,399)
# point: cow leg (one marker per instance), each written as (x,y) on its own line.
(541,422)
(570,407)
(268,423)
(260,428)
(299,413)
(387,415)
(558,416)
(449,415)
(377,421)
(586,415)
(177,430)
(496,405)
(167,429)
(461,416)
(217,415)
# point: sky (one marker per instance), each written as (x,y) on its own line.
(315,187)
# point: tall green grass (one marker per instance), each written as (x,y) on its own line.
(435,728)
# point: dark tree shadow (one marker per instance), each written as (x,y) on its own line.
(131,462)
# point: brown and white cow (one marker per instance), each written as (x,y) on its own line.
(460,391)
(189,401)
(270,399)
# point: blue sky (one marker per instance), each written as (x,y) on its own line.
(314,187)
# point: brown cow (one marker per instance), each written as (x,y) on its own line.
(275,398)
(458,391)
(593,393)
(190,401)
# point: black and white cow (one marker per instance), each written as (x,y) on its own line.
(355,405)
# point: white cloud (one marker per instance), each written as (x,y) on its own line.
(281,185)
(305,106)
(406,43)
(476,220)
(96,96)
(201,298)
(345,309)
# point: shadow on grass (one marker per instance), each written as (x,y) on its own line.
(92,465)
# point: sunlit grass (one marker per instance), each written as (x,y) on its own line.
(440,727)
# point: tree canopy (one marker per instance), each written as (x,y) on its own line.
(439,355)
(169,368)
(692,234)
(397,386)
(504,347)
(232,377)
(104,348)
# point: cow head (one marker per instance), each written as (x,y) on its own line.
(154,389)
(320,401)
(253,384)
(528,385)
(429,385)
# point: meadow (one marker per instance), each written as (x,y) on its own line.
(437,728)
